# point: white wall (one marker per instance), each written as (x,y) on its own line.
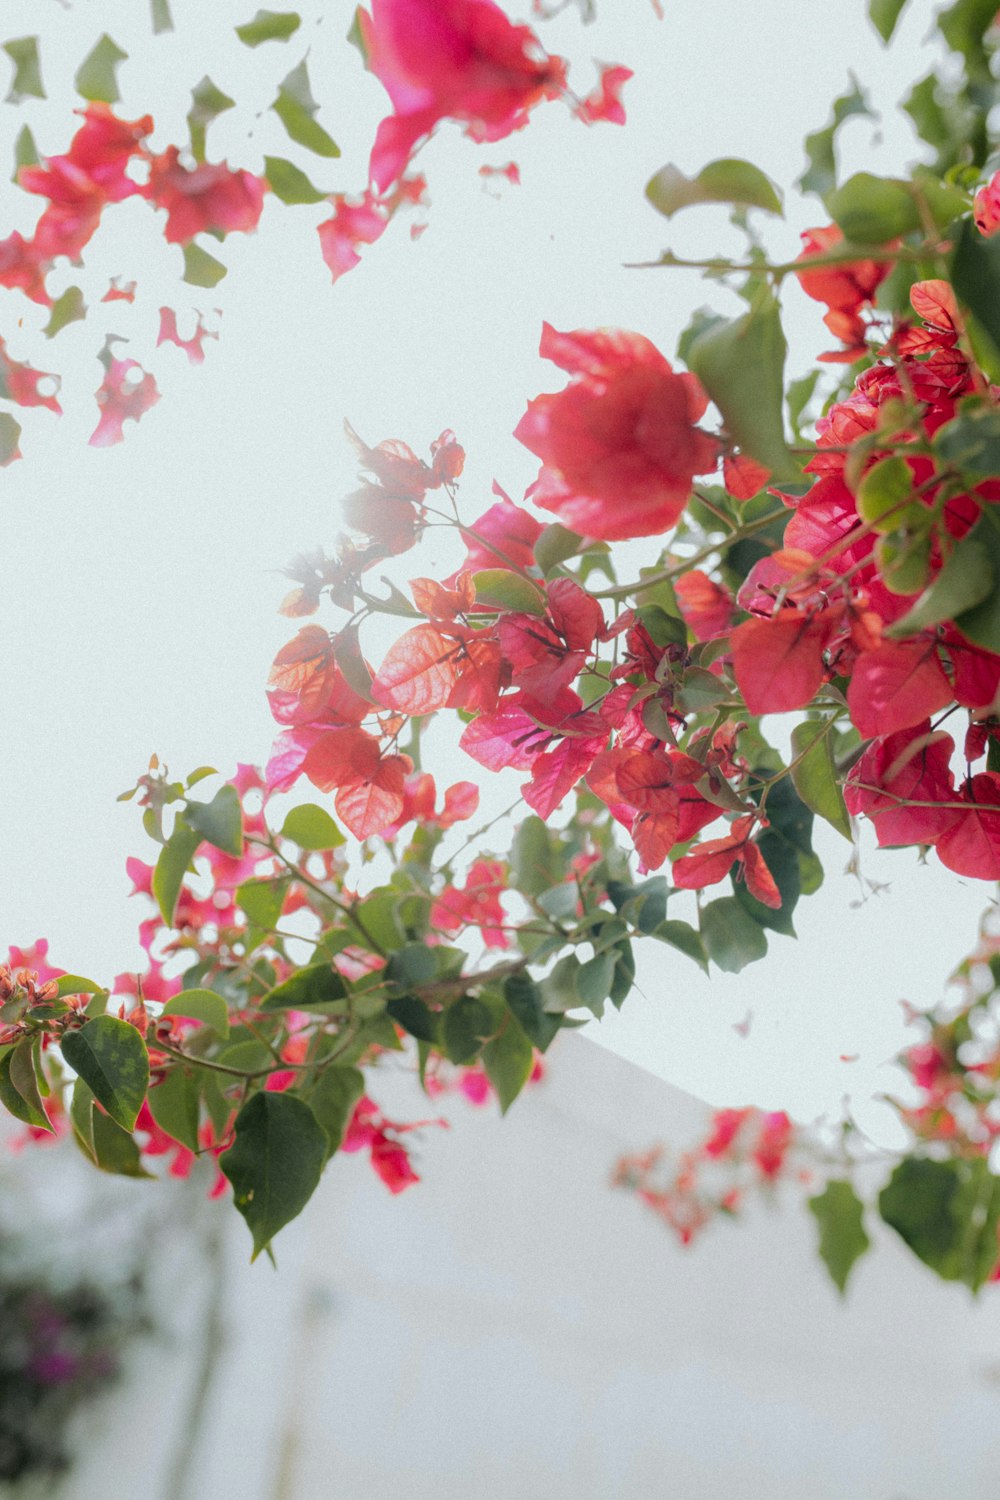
(511,1328)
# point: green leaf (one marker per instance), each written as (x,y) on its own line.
(683,937)
(269,26)
(797,397)
(296,108)
(732,938)
(534,858)
(219,821)
(413,964)
(502,589)
(741,365)
(465,1027)
(290,184)
(923,106)
(207,103)
(199,774)
(971,440)
(873,210)
(74,984)
(81,1114)
(115,1150)
(111,1058)
(884,14)
(821,174)
(963,26)
(508,1060)
(981,623)
(19,1087)
(27,80)
(96,76)
(25,151)
(559,991)
(10,432)
(415,1017)
(968,578)
(274,1163)
(174,1106)
(560,902)
(885,494)
(524,1000)
(664,629)
(262,901)
(311,828)
(700,690)
(69,308)
(624,975)
(247,1056)
(316,984)
(643,906)
(556,545)
(332,1099)
(200,268)
(842,1239)
(947,1212)
(161,17)
(729,180)
(815,775)
(171,867)
(594,979)
(201,1005)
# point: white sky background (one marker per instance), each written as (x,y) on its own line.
(141,582)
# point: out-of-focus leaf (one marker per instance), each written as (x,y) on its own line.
(842,1239)
(289,183)
(207,103)
(69,308)
(201,1005)
(269,26)
(729,180)
(200,268)
(96,77)
(296,109)
(741,365)
(27,80)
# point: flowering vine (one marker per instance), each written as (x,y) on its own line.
(828,550)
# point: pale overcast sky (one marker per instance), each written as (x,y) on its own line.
(141,582)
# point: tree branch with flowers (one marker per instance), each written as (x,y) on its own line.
(835,562)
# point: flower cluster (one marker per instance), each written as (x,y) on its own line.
(744,1150)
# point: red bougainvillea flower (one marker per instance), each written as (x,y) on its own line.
(844,288)
(210,196)
(369,1128)
(22,266)
(361,221)
(503,537)
(904,785)
(619,446)
(91,174)
(122,395)
(605,101)
(120,290)
(477,905)
(193,346)
(710,862)
(35,959)
(451,59)
(20,383)
(776,1132)
(986,206)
